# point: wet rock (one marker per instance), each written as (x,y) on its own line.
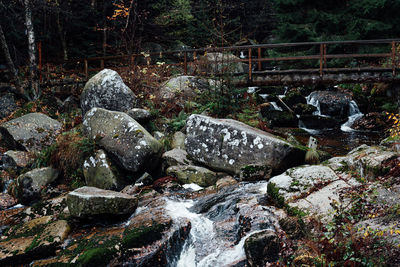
(6,201)
(371,122)
(318,122)
(193,174)
(107,90)
(304,109)
(178,140)
(140,115)
(120,135)
(89,201)
(31,132)
(262,247)
(31,183)
(7,105)
(99,173)
(144,180)
(13,159)
(229,145)
(277,118)
(41,243)
(331,103)
(225,181)
(294,97)
(182,88)
(175,157)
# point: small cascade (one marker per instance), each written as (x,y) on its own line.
(310,131)
(314,102)
(208,243)
(275,106)
(354,114)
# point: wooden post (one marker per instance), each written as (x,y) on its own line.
(250,67)
(325,53)
(194,62)
(40,60)
(394,58)
(185,63)
(321,59)
(86,69)
(259,59)
(102,64)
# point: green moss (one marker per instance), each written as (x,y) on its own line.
(138,237)
(274,196)
(97,256)
(34,244)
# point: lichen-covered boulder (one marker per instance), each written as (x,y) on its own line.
(98,173)
(90,201)
(217,63)
(29,184)
(107,90)
(31,132)
(229,146)
(123,137)
(183,87)
(140,115)
(193,174)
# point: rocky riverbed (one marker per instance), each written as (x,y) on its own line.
(225,194)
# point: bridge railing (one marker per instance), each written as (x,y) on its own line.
(312,57)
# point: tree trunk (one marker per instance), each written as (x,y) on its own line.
(62,37)
(33,80)
(10,63)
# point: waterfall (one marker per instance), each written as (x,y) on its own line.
(354,114)
(314,102)
(275,106)
(310,131)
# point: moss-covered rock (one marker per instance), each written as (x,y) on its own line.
(193,174)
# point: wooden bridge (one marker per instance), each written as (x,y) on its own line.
(303,63)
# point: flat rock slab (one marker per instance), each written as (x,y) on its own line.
(301,180)
(89,201)
(230,145)
(31,132)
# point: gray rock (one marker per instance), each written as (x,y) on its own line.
(229,146)
(178,140)
(89,201)
(193,174)
(262,247)
(98,173)
(301,180)
(335,104)
(215,62)
(123,137)
(140,115)
(30,183)
(158,135)
(182,87)
(13,159)
(225,181)
(107,90)
(7,105)
(175,157)
(31,132)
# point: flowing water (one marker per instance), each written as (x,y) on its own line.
(214,237)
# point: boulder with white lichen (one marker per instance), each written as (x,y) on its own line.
(230,146)
(124,138)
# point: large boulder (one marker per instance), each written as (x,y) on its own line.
(107,90)
(331,103)
(184,87)
(217,63)
(29,184)
(91,201)
(98,172)
(123,137)
(31,132)
(14,159)
(229,146)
